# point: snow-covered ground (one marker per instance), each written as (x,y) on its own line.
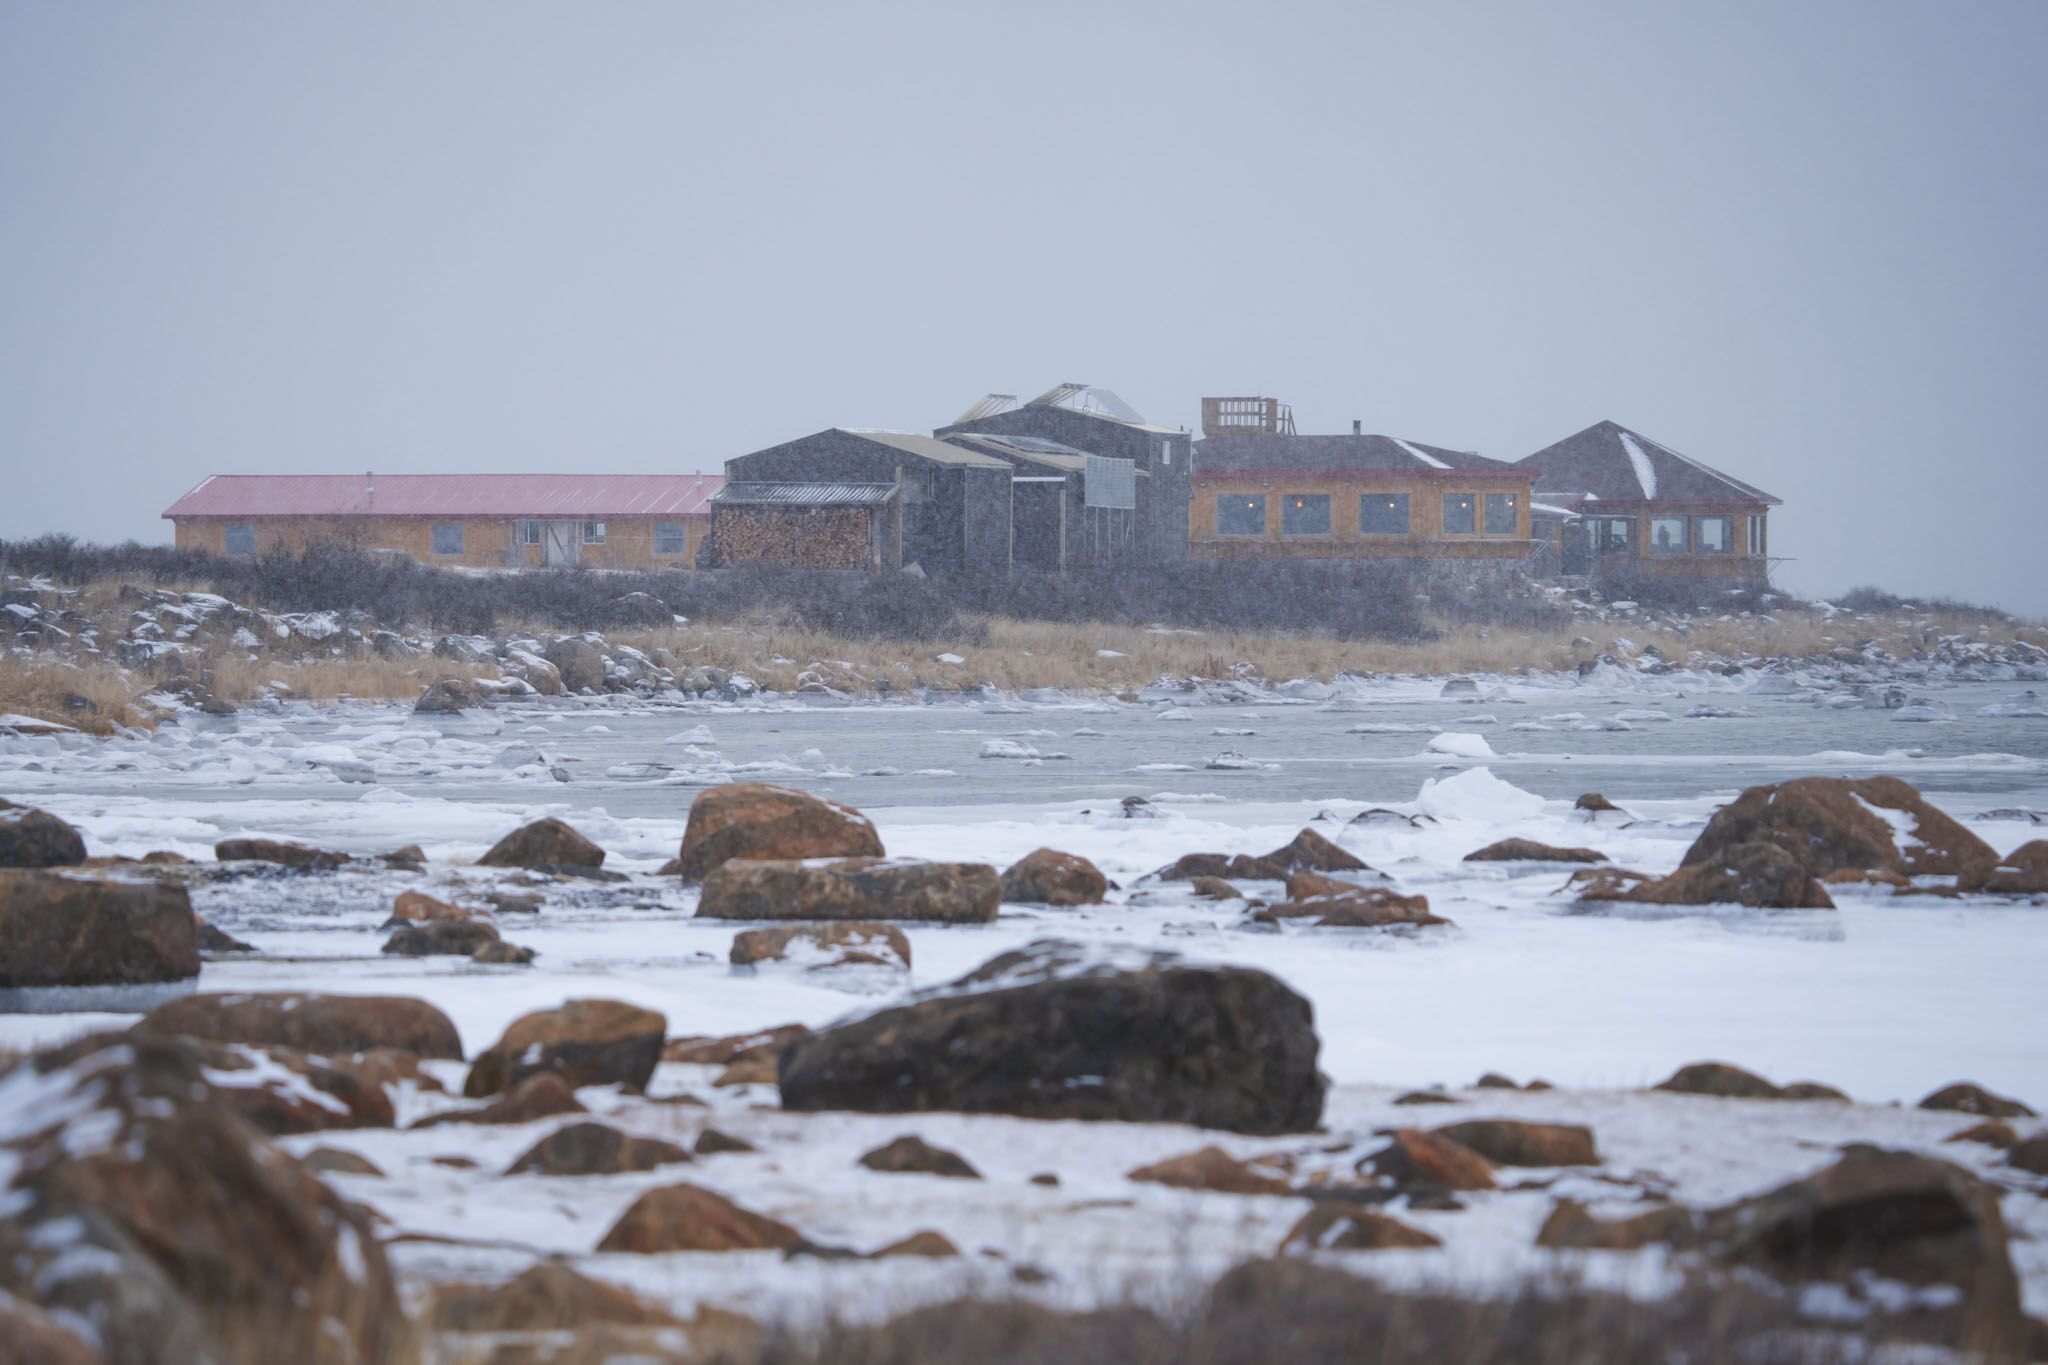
(1886,998)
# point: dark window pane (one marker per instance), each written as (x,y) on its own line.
(1502,512)
(447,537)
(1713,535)
(239,540)
(1305,514)
(668,537)
(1383,514)
(1667,535)
(1241,514)
(1461,514)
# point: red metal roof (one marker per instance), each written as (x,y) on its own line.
(450,495)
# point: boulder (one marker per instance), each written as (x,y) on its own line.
(2022,872)
(1719,1078)
(1415,1158)
(698,1051)
(337,1161)
(1357,907)
(1967,1097)
(1049,1032)
(549,1297)
(1308,851)
(211,940)
(1214,889)
(329,1025)
(692,1218)
(578,662)
(1048,877)
(712,1142)
(2030,1154)
(851,888)
(446,696)
(502,954)
(912,1155)
(281,852)
(282,1091)
(537,1097)
(1992,1133)
(586,1042)
(589,1148)
(1333,1227)
(821,947)
(67,929)
(1212,1169)
(757,821)
(418,907)
(1529,851)
(934,1245)
(1570,1227)
(547,845)
(1760,874)
(29,1336)
(1593,803)
(1514,1142)
(442,938)
(139,1203)
(35,838)
(1827,823)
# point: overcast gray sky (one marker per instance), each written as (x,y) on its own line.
(1803,241)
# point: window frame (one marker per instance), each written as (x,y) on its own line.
(435,535)
(1699,547)
(1597,529)
(1471,511)
(1407,513)
(1302,502)
(1248,499)
(592,532)
(681,537)
(234,530)
(527,531)
(1514,510)
(1759,536)
(1684,540)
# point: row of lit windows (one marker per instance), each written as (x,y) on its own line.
(1379,514)
(1676,535)
(670,537)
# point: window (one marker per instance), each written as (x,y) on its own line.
(1241,514)
(668,538)
(447,537)
(1713,535)
(593,533)
(238,540)
(1460,514)
(1609,535)
(1759,546)
(1305,514)
(1667,535)
(1383,514)
(529,533)
(1503,514)
(1166,454)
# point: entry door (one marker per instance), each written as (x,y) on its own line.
(559,543)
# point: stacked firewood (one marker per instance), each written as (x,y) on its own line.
(817,538)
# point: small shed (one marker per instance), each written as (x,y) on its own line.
(899,499)
(1067,507)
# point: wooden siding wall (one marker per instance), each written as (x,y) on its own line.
(1737,565)
(486,542)
(1425,517)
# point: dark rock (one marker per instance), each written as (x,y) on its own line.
(1332,1227)
(447,696)
(1571,1228)
(757,821)
(211,940)
(330,1025)
(336,1161)
(586,1042)
(281,852)
(547,845)
(912,1155)
(2030,1154)
(1513,1142)
(547,1298)
(935,1245)
(711,1142)
(1722,1079)
(1967,1097)
(851,888)
(35,838)
(442,938)
(502,954)
(595,1149)
(1043,1033)
(1048,877)
(66,929)
(1212,1169)
(1992,1133)
(579,663)
(1529,851)
(1214,889)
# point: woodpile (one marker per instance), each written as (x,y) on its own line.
(817,538)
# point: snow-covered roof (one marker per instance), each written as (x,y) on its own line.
(1336,454)
(1608,462)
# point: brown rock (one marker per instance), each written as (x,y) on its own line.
(1307,851)
(912,1155)
(1757,874)
(282,1091)
(927,1243)
(1597,804)
(337,1161)
(1607,883)
(1827,823)
(721,1051)
(1529,851)
(1333,1227)
(1415,1097)
(851,888)
(282,852)
(1213,1169)
(691,1218)
(1865,876)
(1305,885)
(1196,867)
(547,845)
(595,1149)
(67,929)
(212,940)
(2030,1154)
(503,954)
(1967,1097)
(1571,1228)
(1512,1142)
(1048,877)
(1812,1090)
(330,1025)
(586,1042)
(537,1097)
(410,858)
(1418,1158)
(547,1298)
(35,838)
(442,938)
(1358,907)
(821,947)
(761,822)
(1992,1133)
(419,907)
(2023,872)
(29,1336)
(1719,1078)
(1493,1080)
(712,1142)
(750,1068)
(446,696)
(388,1067)
(1214,889)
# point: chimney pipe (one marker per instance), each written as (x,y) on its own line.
(1357,427)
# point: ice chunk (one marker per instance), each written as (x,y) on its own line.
(1476,794)
(1460,746)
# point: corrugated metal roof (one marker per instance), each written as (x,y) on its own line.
(926,447)
(1035,450)
(756,494)
(449,495)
